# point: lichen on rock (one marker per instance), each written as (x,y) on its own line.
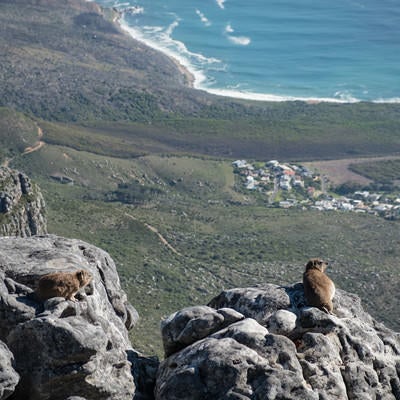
(63,348)
(22,207)
(282,350)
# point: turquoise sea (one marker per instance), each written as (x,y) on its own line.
(342,50)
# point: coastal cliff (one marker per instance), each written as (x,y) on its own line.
(69,61)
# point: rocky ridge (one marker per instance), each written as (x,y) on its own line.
(22,207)
(58,348)
(264,343)
(247,343)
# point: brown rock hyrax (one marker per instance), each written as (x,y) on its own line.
(62,284)
(318,287)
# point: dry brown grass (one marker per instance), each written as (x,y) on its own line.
(338,171)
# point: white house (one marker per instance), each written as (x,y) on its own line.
(240,164)
(250,183)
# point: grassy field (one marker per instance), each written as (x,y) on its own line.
(382,171)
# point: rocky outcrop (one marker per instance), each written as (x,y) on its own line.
(64,349)
(194,323)
(8,376)
(276,348)
(22,207)
(255,343)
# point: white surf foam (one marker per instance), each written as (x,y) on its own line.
(245,95)
(239,40)
(159,38)
(203,18)
(135,10)
(221,3)
(345,96)
(229,29)
(390,100)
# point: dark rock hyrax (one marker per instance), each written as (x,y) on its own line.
(62,284)
(318,287)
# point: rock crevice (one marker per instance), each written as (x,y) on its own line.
(63,348)
(22,207)
(278,348)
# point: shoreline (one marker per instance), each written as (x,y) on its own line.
(184,68)
(194,78)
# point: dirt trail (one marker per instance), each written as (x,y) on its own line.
(160,237)
(38,145)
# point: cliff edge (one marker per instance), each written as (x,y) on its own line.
(58,348)
(22,207)
(257,343)
(264,343)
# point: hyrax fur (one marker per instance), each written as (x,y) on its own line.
(318,287)
(62,284)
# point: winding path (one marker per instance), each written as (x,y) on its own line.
(38,145)
(155,230)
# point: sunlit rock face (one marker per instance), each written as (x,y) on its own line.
(22,207)
(61,348)
(279,348)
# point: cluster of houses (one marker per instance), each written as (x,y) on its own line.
(276,175)
(362,202)
(289,185)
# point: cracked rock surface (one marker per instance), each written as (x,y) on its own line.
(63,349)
(279,349)
(22,207)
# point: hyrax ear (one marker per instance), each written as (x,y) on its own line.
(310,264)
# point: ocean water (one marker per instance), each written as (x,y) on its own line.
(342,50)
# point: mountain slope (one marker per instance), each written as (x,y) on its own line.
(68,61)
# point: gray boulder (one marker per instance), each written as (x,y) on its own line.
(240,362)
(62,348)
(22,207)
(193,323)
(8,376)
(285,350)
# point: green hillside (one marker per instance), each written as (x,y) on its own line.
(69,62)
(217,237)
(17,133)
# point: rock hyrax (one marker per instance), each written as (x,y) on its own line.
(62,284)
(318,287)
